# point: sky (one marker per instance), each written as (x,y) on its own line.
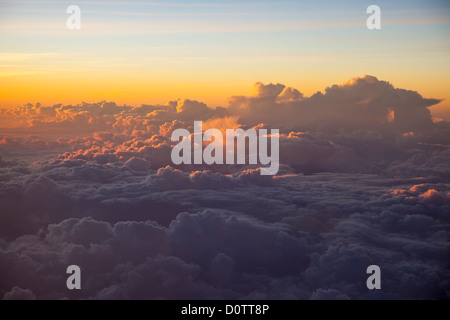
(364,179)
(135,52)
(87,176)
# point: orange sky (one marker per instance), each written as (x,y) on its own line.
(135,54)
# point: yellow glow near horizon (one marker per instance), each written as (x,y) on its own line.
(205,80)
(135,53)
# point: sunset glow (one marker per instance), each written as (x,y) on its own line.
(148,52)
(224,150)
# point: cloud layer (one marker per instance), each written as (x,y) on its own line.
(364,179)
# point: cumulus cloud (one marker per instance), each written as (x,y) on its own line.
(364,102)
(364,179)
(298,237)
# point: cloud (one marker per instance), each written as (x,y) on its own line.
(17,293)
(295,237)
(364,179)
(193,110)
(364,102)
